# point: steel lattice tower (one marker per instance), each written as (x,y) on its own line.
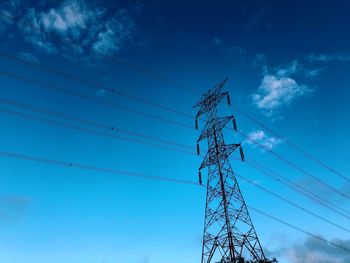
(229,234)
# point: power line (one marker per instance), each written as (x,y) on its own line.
(86,97)
(68,164)
(300,189)
(295,187)
(300,229)
(82,96)
(92,84)
(20,156)
(86,167)
(291,203)
(121,138)
(104,126)
(108,127)
(99,125)
(157,117)
(148,72)
(178,85)
(296,167)
(80,128)
(291,144)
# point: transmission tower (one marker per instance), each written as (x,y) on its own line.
(229,234)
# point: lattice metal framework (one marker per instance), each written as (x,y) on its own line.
(229,234)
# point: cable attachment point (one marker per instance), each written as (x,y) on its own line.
(228,99)
(241,153)
(200,177)
(234,123)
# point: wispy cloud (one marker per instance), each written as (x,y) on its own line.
(74,28)
(259,136)
(216,41)
(6,19)
(237,51)
(13,207)
(323,57)
(289,69)
(101,92)
(297,68)
(28,57)
(220,43)
(256,19)
(260,62)
(232,51)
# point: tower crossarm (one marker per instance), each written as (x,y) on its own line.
(210,93)
(210,129)
(210,102)
(224,152)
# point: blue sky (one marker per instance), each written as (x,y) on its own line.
(287,64)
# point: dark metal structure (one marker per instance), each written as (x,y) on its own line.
(229,234)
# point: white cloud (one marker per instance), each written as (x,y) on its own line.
(280,86)
(257,135)
(329,57)
(276,91)
(271,142)
(74,28)
(115,33)
(263,139)
(71,17)
(105,42)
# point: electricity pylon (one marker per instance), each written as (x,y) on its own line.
(229,234)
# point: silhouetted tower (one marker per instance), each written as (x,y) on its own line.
(229,234)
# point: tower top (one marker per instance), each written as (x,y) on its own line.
(211,98)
